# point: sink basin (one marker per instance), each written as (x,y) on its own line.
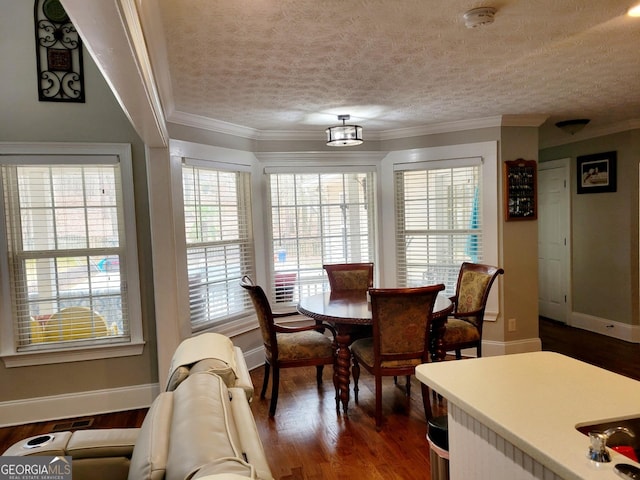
(619,441)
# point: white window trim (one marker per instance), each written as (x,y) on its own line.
(219,157)
(488,152)
(13,358)
(304,162)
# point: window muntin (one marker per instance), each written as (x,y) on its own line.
(217,211)
(438,214)
(66,248)
(318,218)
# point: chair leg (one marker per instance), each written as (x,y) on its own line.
(378,402)
(426,402)
(319,369)
(274,391)
(408,386)
(458,354)
(355,373)
(395,380)
(267,371)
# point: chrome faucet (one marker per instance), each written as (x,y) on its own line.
(598,448)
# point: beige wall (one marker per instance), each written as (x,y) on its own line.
(604,234)
(25,119)
(519,250)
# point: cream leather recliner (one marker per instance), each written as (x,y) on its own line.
(200,427)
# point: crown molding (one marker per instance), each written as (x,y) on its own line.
(321,156)
(218,126)
(523,120)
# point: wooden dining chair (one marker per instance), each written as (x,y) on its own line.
(349,276)
(464,327)
(287,347)
(400,339)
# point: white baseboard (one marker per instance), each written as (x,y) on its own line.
(492,348)
(78,404)
(254,358)
(621,331)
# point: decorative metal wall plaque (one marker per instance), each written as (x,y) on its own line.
(59,54)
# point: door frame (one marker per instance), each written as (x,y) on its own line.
(565,163)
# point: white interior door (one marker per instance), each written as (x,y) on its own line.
(554,254)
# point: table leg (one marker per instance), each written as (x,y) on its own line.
(341,374)
(436,335)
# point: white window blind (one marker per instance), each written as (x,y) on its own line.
(318,218)
(217,211)
(438,223)
(66,253)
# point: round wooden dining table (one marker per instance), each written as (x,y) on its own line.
(345,311)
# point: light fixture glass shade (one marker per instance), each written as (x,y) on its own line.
(572,126)
(344,135)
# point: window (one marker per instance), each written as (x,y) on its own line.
(438,212)
(318,218)
(70,253)
(217,211)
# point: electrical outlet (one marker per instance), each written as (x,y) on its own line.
(511,326)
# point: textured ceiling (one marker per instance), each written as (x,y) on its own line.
(280,65)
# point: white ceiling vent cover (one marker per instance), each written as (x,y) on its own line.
(479,16)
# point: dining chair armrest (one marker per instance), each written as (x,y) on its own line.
(285,314)
(328,327)
(467,316)
(470,313)
(283,329)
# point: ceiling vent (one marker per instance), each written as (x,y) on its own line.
(479,16)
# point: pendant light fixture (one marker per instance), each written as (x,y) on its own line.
(344,135)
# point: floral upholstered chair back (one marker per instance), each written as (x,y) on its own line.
(474,284)
(401,321)
(349,276)
(464,328)
(472,288)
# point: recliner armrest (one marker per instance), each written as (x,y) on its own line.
(99,454)
(104,442)
(248,432)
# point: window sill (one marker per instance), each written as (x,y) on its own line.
(72,355)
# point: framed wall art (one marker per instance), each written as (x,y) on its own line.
(597,172)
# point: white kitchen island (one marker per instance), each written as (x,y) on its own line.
(514,417)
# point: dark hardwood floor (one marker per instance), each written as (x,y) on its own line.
(307,440)
(606,352)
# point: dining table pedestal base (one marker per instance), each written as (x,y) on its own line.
(343,365)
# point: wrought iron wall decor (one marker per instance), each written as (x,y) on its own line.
(59,54)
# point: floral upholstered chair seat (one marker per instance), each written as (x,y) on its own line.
(304,345)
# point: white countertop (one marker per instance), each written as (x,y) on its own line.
(535,400)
